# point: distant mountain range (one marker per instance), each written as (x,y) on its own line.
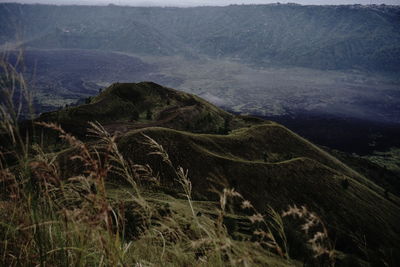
(321,37)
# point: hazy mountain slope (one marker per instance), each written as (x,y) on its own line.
(314,36)
(324,37)
(134,37)
(84,28)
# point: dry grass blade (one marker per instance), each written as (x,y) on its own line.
(314,227)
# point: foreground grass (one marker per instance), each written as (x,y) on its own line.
(84,220)
(88,219)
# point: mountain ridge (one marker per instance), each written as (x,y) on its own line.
(321,37)
(262,160)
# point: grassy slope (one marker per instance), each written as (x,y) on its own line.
(298,173)
(181,209)
(266,162)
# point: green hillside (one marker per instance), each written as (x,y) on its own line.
(125,106)
(264,161)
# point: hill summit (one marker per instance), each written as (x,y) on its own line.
(126,106)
